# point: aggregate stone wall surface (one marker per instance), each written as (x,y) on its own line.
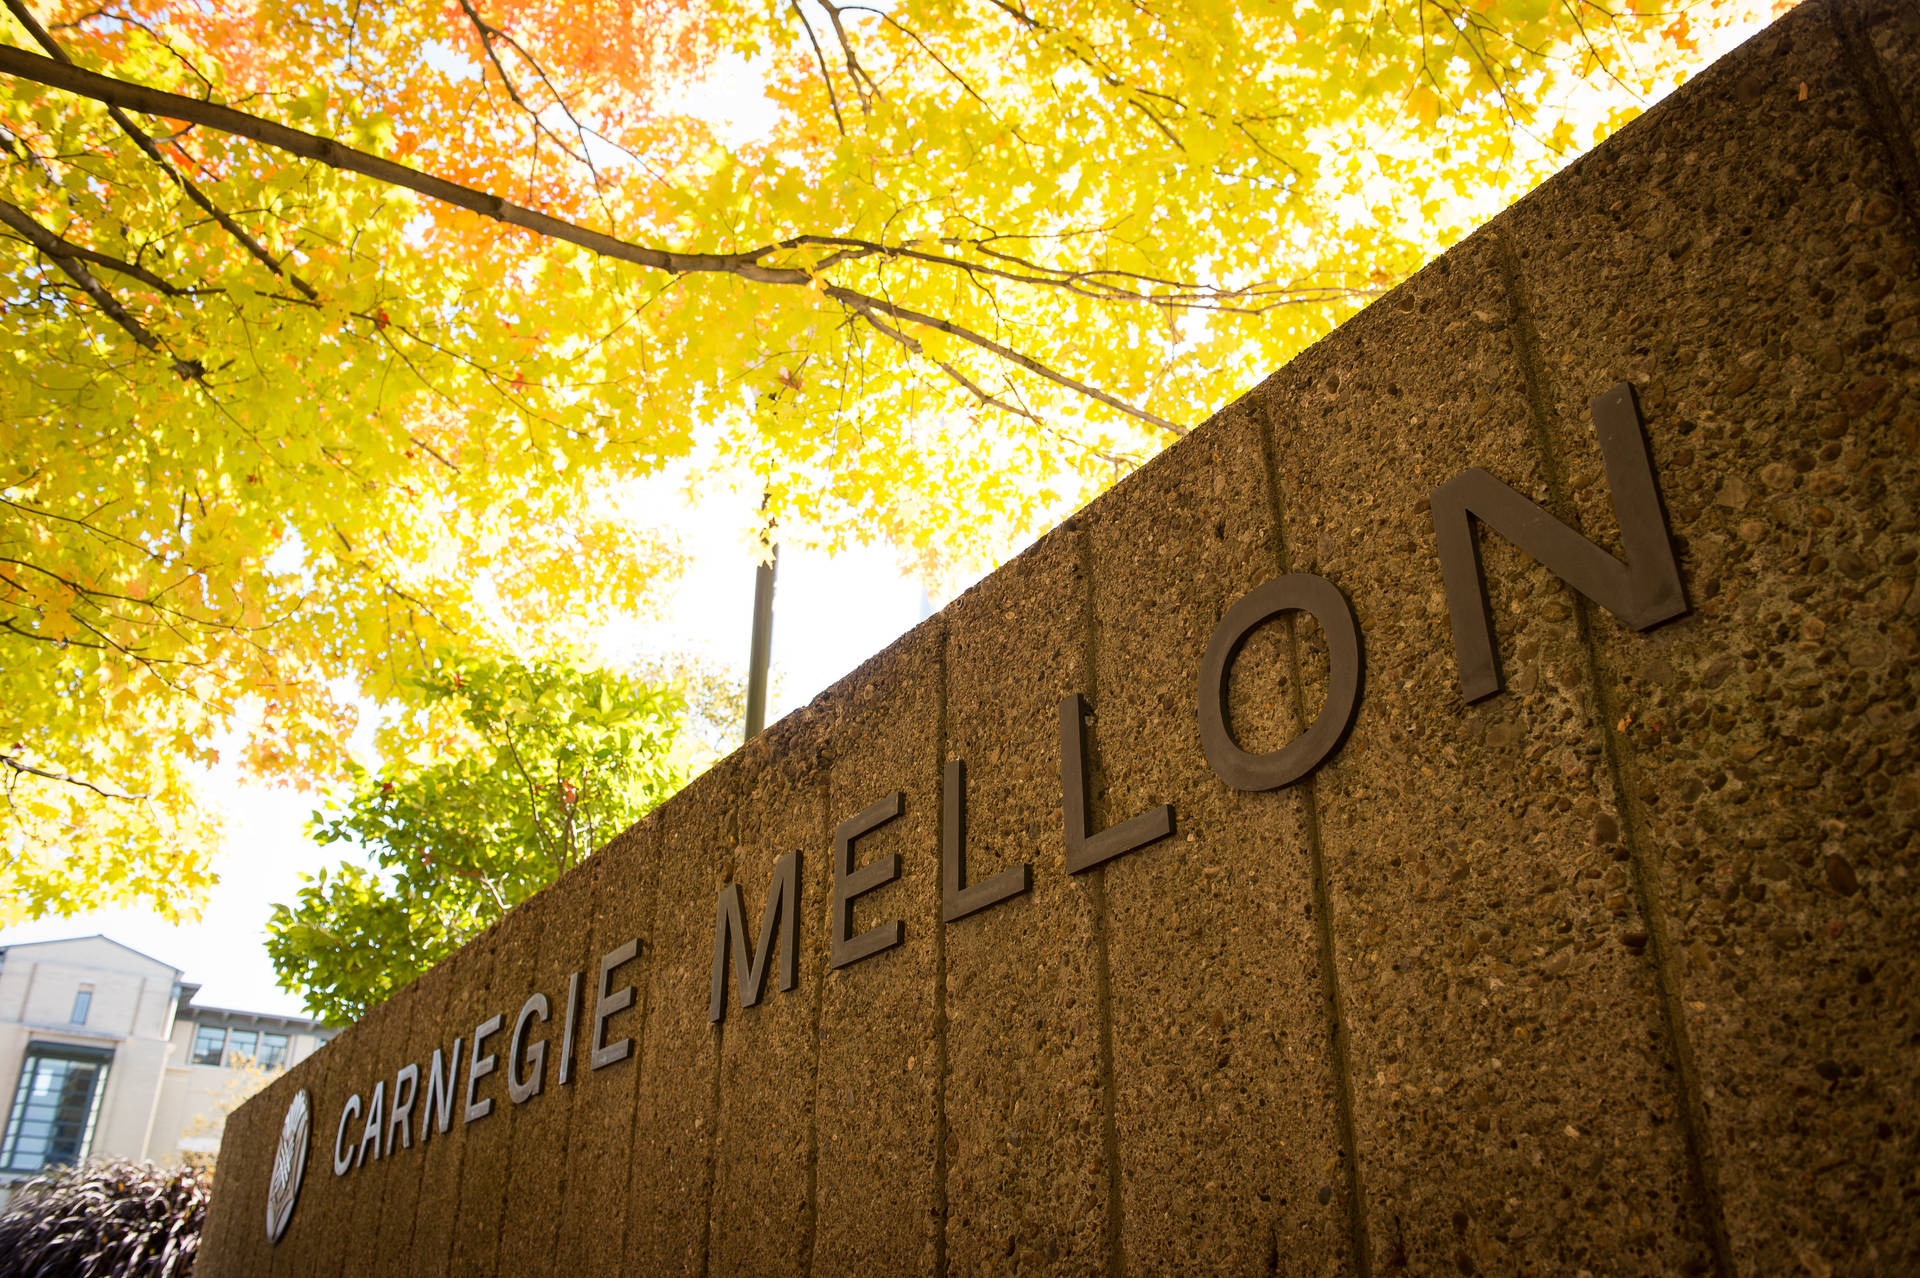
(1612,972)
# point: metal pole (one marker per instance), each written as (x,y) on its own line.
(761,650)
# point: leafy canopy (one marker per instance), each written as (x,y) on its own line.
(272,431)
(522,769)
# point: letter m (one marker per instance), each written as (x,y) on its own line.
(1643,591)
(730,935)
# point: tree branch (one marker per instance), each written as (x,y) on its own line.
(862,82)
(488,33)
(907,343)
(29,770)
(493,890)
(14,216)
(140,139)
(861,302)
(55,248)
(833,99)
(746,265)
(138,97)
(927,49)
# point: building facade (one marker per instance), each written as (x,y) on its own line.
(104,1053)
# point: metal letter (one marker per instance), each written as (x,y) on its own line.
(398,1120)
(957,900)
(566,1033)
(849,883)
(750,969)
(520,1090)
(1084,851)
(1322,600)
(1643,592)
(605,1053)
(343,1163)
(478,1067)
(370,1135)
(440,1093)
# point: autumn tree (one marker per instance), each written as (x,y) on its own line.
(340,330)
(518,771)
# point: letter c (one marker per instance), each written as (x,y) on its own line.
(1322,600)
(348,1112)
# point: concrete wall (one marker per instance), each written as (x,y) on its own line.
(1609,973)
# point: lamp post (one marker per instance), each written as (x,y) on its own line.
(760,649)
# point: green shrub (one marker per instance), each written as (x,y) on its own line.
(108,1219)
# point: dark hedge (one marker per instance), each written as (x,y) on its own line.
(108,1219)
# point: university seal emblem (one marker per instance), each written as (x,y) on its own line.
(289,1163)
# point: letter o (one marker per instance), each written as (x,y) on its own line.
(1322,600)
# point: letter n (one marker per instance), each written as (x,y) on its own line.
(730,935)
(442,1074)
(1643,591)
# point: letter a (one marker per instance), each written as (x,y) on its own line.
(1643,591)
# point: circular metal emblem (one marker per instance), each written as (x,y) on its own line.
(289,1164)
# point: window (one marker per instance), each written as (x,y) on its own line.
(273,1051)
(82,1003)
(209,1044)
(54,1107)
(240,1046)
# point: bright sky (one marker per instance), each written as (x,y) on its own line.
(829,615)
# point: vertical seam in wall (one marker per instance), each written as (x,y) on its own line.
(419,1192)
(514,1113)
(355,1206)
(656,842)
(583,945)
(504,1110)
(416,1014)
(713,1146)
(507,1112)
(1340,1063)
(1621,767)
(514,1143)
(460,1149)
(940,1072)
(585,952)
(810,1244)
(1102,923)
(350,1208)
(713,1091)
(1885,117)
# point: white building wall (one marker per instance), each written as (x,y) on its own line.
(131,992)
(157,1103)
